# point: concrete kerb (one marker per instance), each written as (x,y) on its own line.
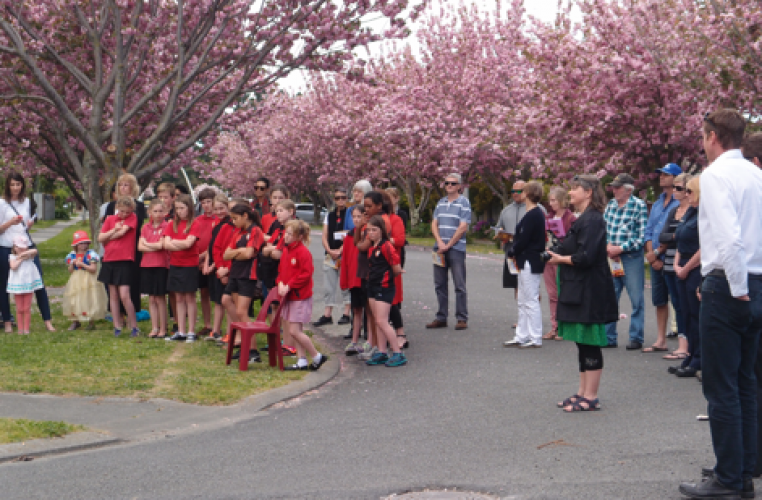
(196,418)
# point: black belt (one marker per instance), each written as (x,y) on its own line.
(721,273)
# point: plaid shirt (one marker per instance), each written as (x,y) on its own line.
(626,226)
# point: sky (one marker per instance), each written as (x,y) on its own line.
(544,10)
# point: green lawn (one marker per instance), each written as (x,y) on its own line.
(486,247)
(43,224)
(53,252)
(15,430)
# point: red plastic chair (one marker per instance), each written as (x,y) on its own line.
(248,330)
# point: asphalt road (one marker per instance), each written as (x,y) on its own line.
(465,412)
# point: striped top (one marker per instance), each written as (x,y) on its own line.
(449,215)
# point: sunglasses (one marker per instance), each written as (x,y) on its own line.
(448,183)
(337,198)
(689,191)
(583,181)
(517,191)
(709,120)
(679,188)
(260,188)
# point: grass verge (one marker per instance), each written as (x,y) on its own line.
(44,224)
(485,247)
(14,430)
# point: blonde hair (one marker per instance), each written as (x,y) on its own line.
(694,184)
(166,186)
(125,201)
(132,181)
(561,196)
(684,178)
(300,229)
(155,202)
(221,198)
(288,205)
(186,200)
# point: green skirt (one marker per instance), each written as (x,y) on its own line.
(583,333)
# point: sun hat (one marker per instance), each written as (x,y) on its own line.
(21,242)
(80,237)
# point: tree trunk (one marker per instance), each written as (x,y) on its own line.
(93,196)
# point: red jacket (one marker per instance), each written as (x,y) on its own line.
(348,272)
(295,270)
(398,234)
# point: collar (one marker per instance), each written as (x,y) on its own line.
(731,154)
(294,245)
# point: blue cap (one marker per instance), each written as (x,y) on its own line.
(671,169)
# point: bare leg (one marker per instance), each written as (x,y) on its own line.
(180,313)
(287,340)
(372,330)
(385,332)
(191,309)
(592,383)
(303,342)
(219,315)
(113,295)
(161,305)
(228,302)
(662,315)
(347,309)
(153,309)
(124,294)
(206,307)
(242,308)
(328,312)
(356,324)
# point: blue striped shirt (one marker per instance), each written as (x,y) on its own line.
(449,215)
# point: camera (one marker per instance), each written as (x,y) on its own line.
(545,256)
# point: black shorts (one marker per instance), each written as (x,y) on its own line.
(117,272)
(203,280)
(183,279)
(153,280)
(216,289)
(381,294)
(244,287)
(359,297)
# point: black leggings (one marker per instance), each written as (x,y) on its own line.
(590,357)
(395,316)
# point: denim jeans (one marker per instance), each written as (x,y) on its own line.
(730,330)
(5,304)
(634,280)
(455,262)
(690,306)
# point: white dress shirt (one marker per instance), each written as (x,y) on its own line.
(730,219)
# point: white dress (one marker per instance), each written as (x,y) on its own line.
(25,279)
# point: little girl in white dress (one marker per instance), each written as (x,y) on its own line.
(23,280)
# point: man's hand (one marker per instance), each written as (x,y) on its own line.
(614,251)
(744,298)
(442,247)
(650,257)
(657,265)
(680,272)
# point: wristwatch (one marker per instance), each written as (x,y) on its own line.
(656,252)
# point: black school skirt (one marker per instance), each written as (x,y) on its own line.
(153,280)
(117,272)
(183,279)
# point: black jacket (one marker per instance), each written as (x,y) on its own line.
(586,293)
(529,241)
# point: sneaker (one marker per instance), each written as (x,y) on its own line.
(296,367)
(190,338)
(287,350)
(397,359)
(324,320)
(351,349)
(366,355)
(379,358)
(204,332)
(344,320)
(364,347)
(315,365)
(176,337)
(135,332)
(74,325)
(512,343)
(529,345)
(254,356)
(213,336)
(117,332)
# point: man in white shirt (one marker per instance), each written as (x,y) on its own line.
(730,228)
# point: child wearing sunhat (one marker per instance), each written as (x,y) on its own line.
(84,298)
(23,279)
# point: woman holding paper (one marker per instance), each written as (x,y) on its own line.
(560,220)
(528,246)
(586,299)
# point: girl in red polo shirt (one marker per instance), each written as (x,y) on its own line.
(118,235)
(221,230)
(242,253)
(348,280)
(180,237)
(154,268)
(295,283)
(384,265)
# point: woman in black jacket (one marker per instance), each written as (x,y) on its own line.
(586,298)
(527,250)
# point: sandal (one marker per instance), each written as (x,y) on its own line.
(569,401)
(675,356)
(153,334)
(550,335)
(593,405)
(655,348)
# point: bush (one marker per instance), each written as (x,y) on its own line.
(422,230)
(481,230)
(62,214)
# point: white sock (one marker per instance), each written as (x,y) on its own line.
(301,362)
(317,358)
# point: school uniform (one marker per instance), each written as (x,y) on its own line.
(382,257)
(154,267)
(119,254)
(348,279)
(268,220)
(268,266)
(295,270)
(206,225)
(222,232)
(183,264)
(243,273)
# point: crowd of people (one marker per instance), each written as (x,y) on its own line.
(704,256)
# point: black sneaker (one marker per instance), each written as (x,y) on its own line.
(316,365)
(177,337)
(253,356)
(324,320)
(348,336)
(344,320)
(295,367)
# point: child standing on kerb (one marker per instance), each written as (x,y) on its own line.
(84,298)
(23,280)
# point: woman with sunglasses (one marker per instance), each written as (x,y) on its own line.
(667,237)
(333,239)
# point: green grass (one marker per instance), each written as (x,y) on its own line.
(43,224)
(486,247)
(95,363)
(53,252)
(14,430)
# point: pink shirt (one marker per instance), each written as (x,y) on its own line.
(153,235)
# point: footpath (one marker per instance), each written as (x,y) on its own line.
(112,421)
